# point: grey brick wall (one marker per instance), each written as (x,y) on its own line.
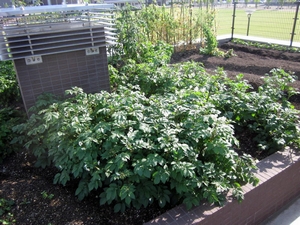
(60,72)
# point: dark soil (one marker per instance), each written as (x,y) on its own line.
(23,183)
(252,62)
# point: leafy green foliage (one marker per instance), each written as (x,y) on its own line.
(211,47)
(5,216)
(179,25)
(134,44)
(9,91)
(45,195)
(267,113)
(5,205)
(8,119)
(154,139)
(129,36)
(18,3)
(136,150)
(167,133)
(211,43)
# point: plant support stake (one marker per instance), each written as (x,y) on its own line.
(295,22)
(233,18)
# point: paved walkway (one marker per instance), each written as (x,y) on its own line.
(288,216)
(259,39)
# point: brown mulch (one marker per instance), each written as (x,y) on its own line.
(23,183)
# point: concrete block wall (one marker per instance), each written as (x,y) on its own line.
(279,176)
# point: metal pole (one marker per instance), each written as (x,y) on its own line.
(233,19)
(249,16)
(295,22)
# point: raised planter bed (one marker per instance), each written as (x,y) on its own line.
(279,184)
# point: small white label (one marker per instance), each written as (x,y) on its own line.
(33,60)
(92,51)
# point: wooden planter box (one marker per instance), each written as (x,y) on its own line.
(279,176)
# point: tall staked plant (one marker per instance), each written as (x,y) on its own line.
(181,25)
(18,3)
(129,35)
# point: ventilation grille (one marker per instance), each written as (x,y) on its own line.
(55,32)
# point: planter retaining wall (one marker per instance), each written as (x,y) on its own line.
(279,176)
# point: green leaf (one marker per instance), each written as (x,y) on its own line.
(56,178)
(190,201)
(103,199)
(111,192)
(117,207)
(156,176)
(127,193)
(82,190)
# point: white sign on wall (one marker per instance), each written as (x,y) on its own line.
(33,60)
(92,51)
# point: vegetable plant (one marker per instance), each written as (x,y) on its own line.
(136,150)
(267,113)
(9,91)
(9,118)
(166,134)
(6,217)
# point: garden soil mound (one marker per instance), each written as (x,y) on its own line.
(23,183)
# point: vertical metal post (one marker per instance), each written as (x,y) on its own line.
(233,18)
(191,21)
(249,17)
(295,22)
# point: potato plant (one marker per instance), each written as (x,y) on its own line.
(9,117)
(136,150)
(166,134)
(9,91)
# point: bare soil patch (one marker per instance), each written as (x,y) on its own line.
(23,183)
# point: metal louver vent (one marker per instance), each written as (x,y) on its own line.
(46,30)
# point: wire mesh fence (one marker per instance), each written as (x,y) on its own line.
(183,24)
(273,21)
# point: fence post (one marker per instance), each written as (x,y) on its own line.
(233,18)
(295,22)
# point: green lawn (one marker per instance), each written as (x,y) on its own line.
(268,23)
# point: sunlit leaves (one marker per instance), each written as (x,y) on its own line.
(9,91)
(127,193)
(266,114)
(171,137)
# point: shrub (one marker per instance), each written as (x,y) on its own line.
(8,119)
(135,150)
(9,91)
(266,114)
(166,135)
(160,80)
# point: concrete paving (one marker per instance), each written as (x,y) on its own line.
(288,216)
